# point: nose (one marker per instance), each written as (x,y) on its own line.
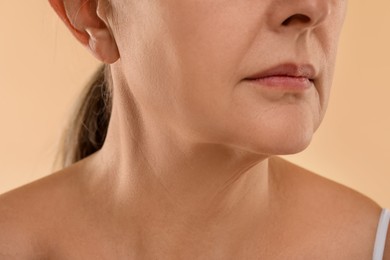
(298,15)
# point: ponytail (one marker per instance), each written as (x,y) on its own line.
(88,126)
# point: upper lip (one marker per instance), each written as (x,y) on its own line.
(288,70)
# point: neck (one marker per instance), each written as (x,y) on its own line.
(164,173)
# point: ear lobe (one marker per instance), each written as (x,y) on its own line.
(102,45)
(81,18)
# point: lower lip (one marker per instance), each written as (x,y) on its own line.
(284,83)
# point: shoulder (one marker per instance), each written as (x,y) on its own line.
(30,212)
(324,190)
(347,218)
(15,240)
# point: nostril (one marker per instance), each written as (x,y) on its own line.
(299,18)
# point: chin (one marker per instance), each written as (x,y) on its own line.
(291,147)
(273,143)
(291,134)
(280,140)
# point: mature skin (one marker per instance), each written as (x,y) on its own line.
(188,156)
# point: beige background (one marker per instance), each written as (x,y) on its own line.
(43,69)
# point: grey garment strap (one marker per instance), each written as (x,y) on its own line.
(381,233)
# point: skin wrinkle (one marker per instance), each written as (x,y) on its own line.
(190,143)
(142,153)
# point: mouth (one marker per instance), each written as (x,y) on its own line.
(287,70)
(288,76)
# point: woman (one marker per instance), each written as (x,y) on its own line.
(174,150)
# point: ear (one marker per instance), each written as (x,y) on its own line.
(89,25)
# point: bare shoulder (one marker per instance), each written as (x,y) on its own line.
(351,215)
(31,211)
(325,190)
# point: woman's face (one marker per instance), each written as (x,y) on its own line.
(187,64)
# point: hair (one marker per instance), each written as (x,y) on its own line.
(87,127)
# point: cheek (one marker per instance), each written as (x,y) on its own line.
(211,37)
(191,50)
